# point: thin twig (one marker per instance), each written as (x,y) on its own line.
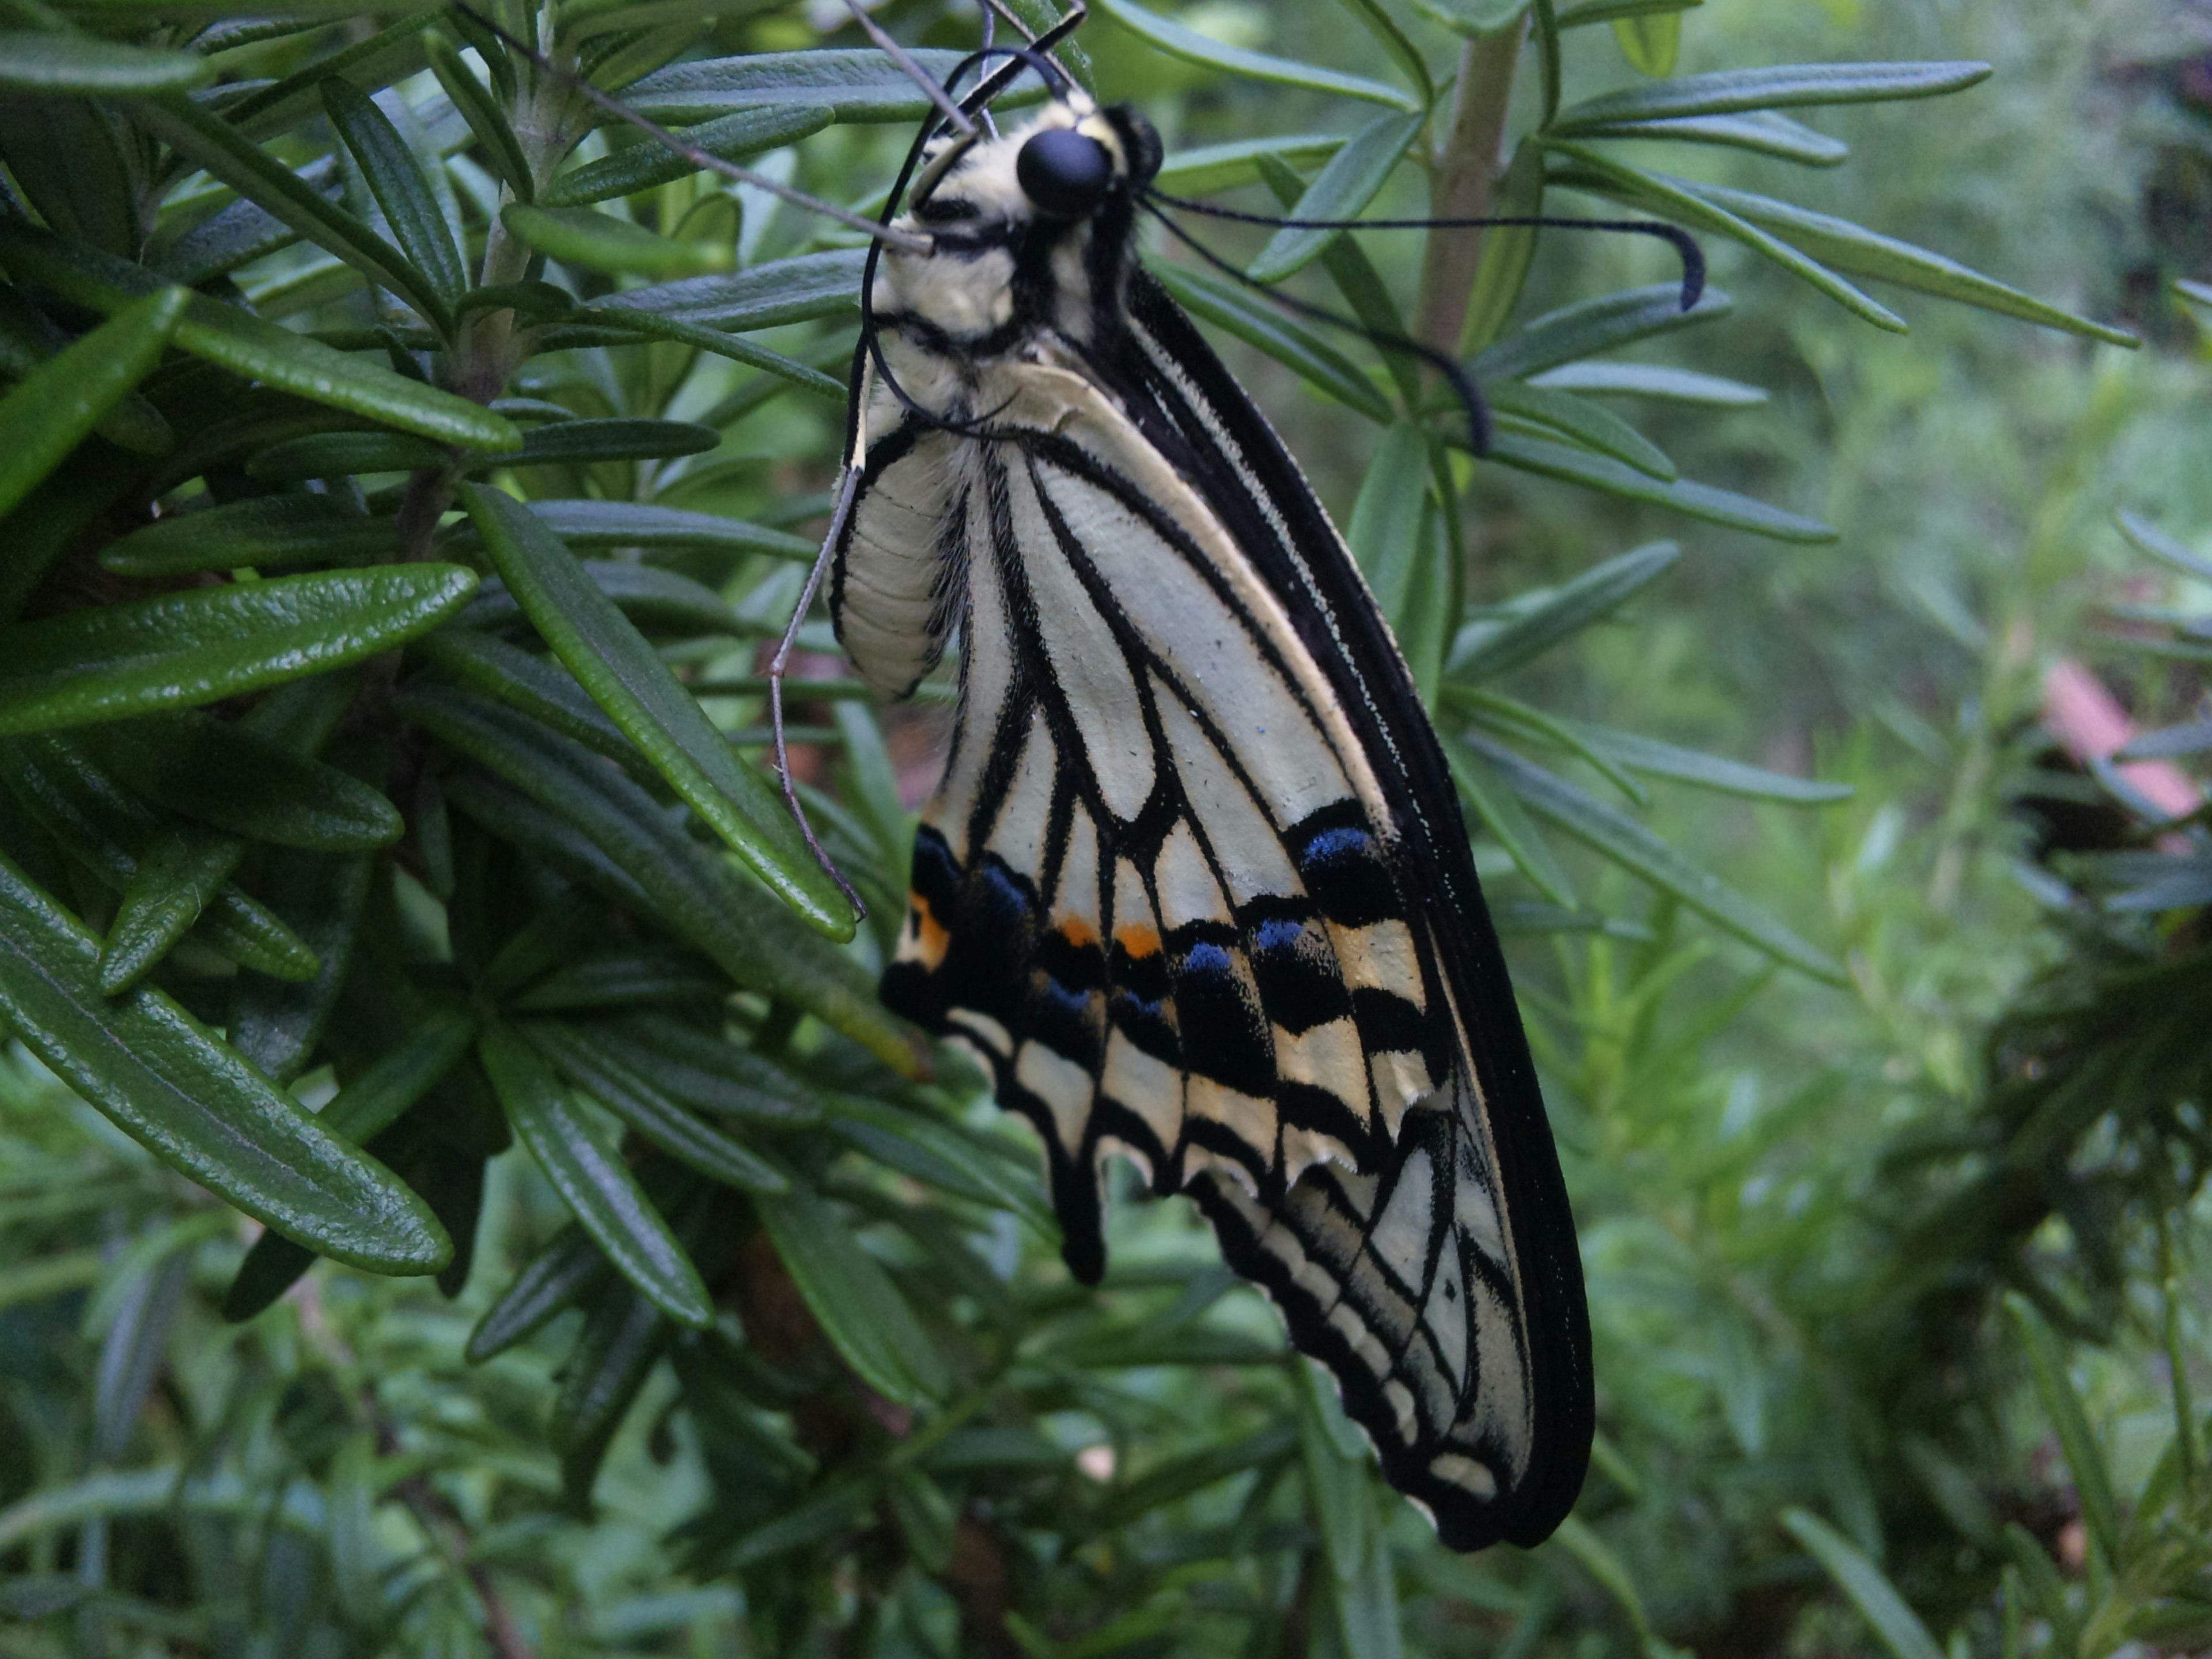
(914,71)
(848,490)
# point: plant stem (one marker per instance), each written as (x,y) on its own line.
(1467,168)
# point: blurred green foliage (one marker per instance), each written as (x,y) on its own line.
(402,466)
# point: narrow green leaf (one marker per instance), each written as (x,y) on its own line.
(1728,92)
(1510,720)
(2039,1578)
(188,1099)
(551,1282)
(1223,167)
(1697,500)
(1357,279)
(266,533)
(395,179)
(256,349)
(795,290)
(541,688)
(1499,811)
(275,1022)
(1341,190)
(597,1186)
(1727,777)
(627,679)
(2147,537)
(1596,1556)
(641,167)
(1597,172)
(1763,132)
(1584,13)
(637,1100)
(1179,40)
(343,454)
(601,241)
(177,650)
(751,936)
(648,977)
(37,61)
(485,114)
(51,409)
(180,875)
(2169,743)
(368,61)
(1629,844)
(1336,1484)
(1289,341)
(1651,40)
(1180,1477)
(1473,18)
(210,141)
(1501,270)
(620,440)
(943,1154)
(1592,428)
(856,83)
(622,1336)
(1590,326)
(1539,621)
(2196,294)
(1389,535)
(635,324)
(859,1308)
(226,775)
(1868,254)
(1653,380)
(1395,40)
(709,1073)
(2092,1480)
(1873,1595)
(599,526)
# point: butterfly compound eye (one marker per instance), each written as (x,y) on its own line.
(1063,174)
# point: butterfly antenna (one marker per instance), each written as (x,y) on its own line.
(1692,256)
(906,241)
(1470,395)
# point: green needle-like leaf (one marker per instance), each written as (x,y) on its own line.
(597,1186)
(1590,326)
(2093,1478)
(626,678)
(1698,501)
(1540,621)
(1584,423)
(396,180)
(1873,1595)
(641,167)
(172,1086)
(1180,40)
(600,242)
(59,61)
(197,646)
(225,776)
(1341,190)
(266,533)
(1783,86)
(553,1280)
(51,409)
(485,116)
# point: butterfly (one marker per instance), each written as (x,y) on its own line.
(1195,888)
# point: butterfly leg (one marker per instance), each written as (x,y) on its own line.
(848,490)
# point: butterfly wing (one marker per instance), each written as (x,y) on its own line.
(1195,888)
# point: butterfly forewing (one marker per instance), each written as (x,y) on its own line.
(1194,886)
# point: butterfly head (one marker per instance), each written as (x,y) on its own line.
(1029,231)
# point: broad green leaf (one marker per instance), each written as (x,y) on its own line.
(2147,537)
(275,1023)
(627,679)
(395,179)
(485,115)
(709,1073)
(597,1186)
(49,412)
(1728,92)
(551,1282)
(1763,132)
(1651,41)
(359,1112)
(1539,621)
(622,1336)
(1727,777)
(1590,326)
(744,929)
(859,1308)
(210,141)
(104,828)
(1873,1595)
(1592,428)
(1685,495)
(1473,17)
(200,645)
(1179,40)
(1653,380)
(1288,341)
(637,1100)
(601,241)
(265,532)
(795,290)
(856,84)
(1864,252)
(225,776)
(2092,1480)
(1499,811)
(640,167)
(256,349)
(172,1086)
(600,525)
(1223,166)
(1629,844)
(1341,190)
(37,61)
(1594,171)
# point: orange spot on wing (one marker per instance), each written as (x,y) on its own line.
(1137,939)
(930,937)
(1079,932)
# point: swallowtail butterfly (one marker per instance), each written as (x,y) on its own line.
(1194,887)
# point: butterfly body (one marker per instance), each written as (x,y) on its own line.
(1194,887)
